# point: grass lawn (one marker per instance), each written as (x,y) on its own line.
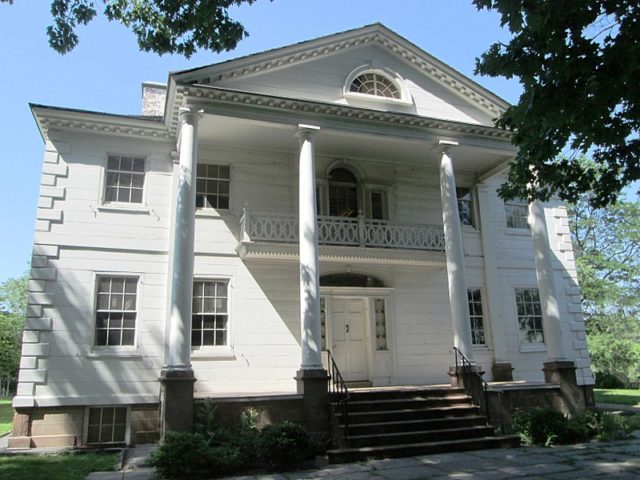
(621,397)
(55,467)
(6,415)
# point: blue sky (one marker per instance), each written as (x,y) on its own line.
(105,71)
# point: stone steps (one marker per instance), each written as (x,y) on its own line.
(410,421)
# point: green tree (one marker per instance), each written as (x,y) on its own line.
(607,247)
(13,311)
(161,26)
(577,61)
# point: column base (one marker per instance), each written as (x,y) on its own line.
(314,386)
(502,372)
(563,373)
(176,396)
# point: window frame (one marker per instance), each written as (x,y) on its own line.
(115,350)
(397,80)
(117,205)
(216,351)
(85,427)
(529,347)
(515,203)
(214,210)
(483,317)
(472,207)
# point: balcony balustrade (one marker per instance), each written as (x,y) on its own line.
(357,232)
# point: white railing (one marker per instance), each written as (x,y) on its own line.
(273,227)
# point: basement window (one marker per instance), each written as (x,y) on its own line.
(106,425)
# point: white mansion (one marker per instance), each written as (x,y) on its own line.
(336,194)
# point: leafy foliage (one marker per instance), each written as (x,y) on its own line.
(577,61)
(13,311)
(547,427)
(161,26)
(284,445)
(607,247)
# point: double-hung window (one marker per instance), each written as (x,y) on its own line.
(529,316)
(210,320)
(116,311)
(124,179)
(212,186)
(474,298)
(517,213)
(465,206)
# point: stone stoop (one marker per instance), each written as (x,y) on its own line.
(402,422)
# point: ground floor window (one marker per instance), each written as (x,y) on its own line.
(106,425)
(323,323)
(116,311)
(529,315)
(476,315)
(381,323)
(210,313)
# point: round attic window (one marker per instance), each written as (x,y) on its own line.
(374,83)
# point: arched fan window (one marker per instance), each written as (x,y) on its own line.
(374,83)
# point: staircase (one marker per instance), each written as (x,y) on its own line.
(405,421)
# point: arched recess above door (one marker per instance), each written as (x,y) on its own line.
(348,279)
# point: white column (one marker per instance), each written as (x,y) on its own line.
(455,256)
(308,235)
(180,275)
(546,283)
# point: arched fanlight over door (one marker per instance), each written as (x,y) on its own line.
(343,193)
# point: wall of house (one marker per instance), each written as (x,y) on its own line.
(324,78)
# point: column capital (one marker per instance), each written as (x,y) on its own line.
(446,145)
(190,114)
(306,132)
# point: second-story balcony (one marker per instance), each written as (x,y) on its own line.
(343,236)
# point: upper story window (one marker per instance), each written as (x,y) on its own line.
(212,186)
(125,179)
(465,206)
(116,311)
(367,84)
(374,83)
(343,193)
(517,213)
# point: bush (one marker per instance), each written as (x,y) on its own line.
(182,455)
(608,380)
(540,426)
(284,445)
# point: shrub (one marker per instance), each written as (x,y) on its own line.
(284,445)
(608,380)
(540,426)
(182,455)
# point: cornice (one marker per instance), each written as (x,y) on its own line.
(96,122)
(204,94)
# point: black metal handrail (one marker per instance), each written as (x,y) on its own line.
(338,388)
(473,382)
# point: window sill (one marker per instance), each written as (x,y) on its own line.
(213,353)
(481,347)
(111,352)
(535,348)
(124,207)
(469,228)
(214,213)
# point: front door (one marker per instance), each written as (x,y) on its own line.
(348,337)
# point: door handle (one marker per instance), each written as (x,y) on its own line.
(347,327)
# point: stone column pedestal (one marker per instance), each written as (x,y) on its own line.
(314,385)
(563,373)
(20,436)
(177,400)
(502,372)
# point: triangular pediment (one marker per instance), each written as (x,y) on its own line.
(319,70)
